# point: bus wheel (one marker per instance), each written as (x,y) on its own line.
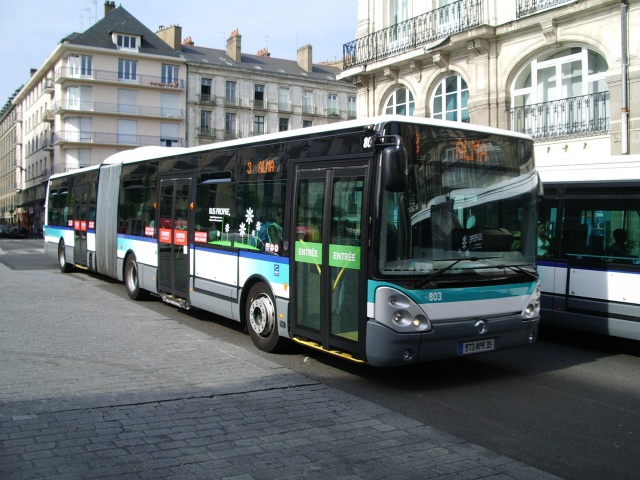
(131,279)
(62,260)
(261,320)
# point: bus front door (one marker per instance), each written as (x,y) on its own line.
(172,218)
(329,274)
(81,223)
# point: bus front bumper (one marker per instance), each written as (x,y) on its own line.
(387,348)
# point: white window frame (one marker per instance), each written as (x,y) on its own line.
(170,73)
(528,89)
(126,42)
(392,104)
(127,70)
(459,112)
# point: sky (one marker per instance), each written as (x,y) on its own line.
(33,28)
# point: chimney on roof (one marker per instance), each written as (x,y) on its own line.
(188,41)
(305,58)
(234,51)
(264,53)
(171,35)
(109,7)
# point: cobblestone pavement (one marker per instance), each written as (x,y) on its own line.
(95,386)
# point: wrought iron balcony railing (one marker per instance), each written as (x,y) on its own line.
(116,108)
(128,139)
(413,33)
(530,7)
(575,116)
(122,77)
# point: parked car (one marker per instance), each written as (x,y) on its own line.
(4,231)
(18,232)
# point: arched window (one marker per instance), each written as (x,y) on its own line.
(400,102)
(450,100)
(561,93)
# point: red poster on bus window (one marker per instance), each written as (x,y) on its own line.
(70,223)
(83,225)
(149,231)
(76,224)
(180,237)
(92,225)
(200,237)
(165,235)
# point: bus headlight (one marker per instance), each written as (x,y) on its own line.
(421,323)
(533,308)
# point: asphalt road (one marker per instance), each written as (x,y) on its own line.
(568,405)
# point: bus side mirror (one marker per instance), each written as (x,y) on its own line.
(394,166)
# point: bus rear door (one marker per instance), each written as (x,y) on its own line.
(329,272)
(81,223)
(173,220)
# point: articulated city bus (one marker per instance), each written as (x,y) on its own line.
(589,257)
(386,241)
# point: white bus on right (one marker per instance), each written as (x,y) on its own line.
(589,247)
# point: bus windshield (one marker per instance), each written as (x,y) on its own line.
(469,205)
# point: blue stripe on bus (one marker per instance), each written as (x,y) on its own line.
(264,257)
(137,238)
(450,295)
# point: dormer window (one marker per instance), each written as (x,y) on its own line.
(126,42)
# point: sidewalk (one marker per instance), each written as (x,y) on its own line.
(94,386)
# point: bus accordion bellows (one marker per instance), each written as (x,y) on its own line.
(589,236)
(388,241)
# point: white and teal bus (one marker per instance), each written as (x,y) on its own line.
(389,240)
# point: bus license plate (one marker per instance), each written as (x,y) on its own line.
(478,346)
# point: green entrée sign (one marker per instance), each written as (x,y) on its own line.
(341,256)
(344,256)
(309,252)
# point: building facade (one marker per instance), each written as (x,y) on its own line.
(231,94)
(113,87)
(564,71)
(10,123)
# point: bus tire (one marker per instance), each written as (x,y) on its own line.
(62,259)
(261,320)
(131,279)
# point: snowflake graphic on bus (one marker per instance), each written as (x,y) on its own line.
(266,236)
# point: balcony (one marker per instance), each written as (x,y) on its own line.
(48,116)
(285,107)
(332,112)
(231,102)
(206,98)
(413,33)
(118,109)
(569,117)
(230,134)
(259,104)
(49,86)
(525,8)
(108,76)
(107,138)
(206,132)
(308,110)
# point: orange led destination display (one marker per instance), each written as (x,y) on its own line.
(472,150)
(263,166)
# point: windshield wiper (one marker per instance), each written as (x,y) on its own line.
(437,273)
(513,268)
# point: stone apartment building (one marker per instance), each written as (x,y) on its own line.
(118,85)
(9,160)
(565,71)
(113,87)
(232,94)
